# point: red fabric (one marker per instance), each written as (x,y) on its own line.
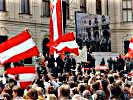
(58,17)
(64,38)
(130,50)
(101,67)
(71,50)
(24,85)
(22,70)
(29,53)
(130,74)
(14,41)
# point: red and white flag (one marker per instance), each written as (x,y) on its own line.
(68,44)
(18,48)
(26,75)
(55,19)
(99,67)
(55,25)
(130,48)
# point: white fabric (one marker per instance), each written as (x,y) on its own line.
(69,44)
(131,45)
(26,45)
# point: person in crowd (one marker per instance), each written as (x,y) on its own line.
(73,85)
(40,93)
(60,64)
(31,94)
(67,64)
(102,64)
(121,63)
(51,97)
(51,63)
(64,92)
(110,63)
(87,94)
(6,96)
(17,93)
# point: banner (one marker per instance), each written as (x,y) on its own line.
(93,31)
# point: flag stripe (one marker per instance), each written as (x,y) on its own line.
(68,37)
(26,77)
(26,45)
(55,27)
(14,41)
(51,29)
(131,45)
(64,38)
(101,68)
(21,69)
(131,40)
(23,85)
(70,44)
(59,17)
(29,53)
(56,21)
(71,50)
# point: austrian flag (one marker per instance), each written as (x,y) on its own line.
(18,48)
(26,75)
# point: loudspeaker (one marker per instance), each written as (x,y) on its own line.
(64,15)
(45,49)
(27,61)
(126,46)
(3,38)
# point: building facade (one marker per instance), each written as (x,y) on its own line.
(15,15)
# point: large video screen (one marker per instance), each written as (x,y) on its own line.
(93,31)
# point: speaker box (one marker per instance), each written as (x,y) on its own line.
(126,46)
(3,38)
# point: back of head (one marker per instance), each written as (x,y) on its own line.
(39,90)
(7,96)
(111,79)
(100,95)
(95,86)
(78,97)
(115,90)
(64,90)
(81,87)
(17,90)
(86,94)
(32,94)
(51,97)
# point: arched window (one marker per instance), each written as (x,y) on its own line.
(67,9)
(98,7)
(83,5)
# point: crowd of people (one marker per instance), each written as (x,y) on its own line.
(59,79)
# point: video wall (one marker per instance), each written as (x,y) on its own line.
(93,31)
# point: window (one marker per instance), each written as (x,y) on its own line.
(98,7)
(25,9)
(2,5)
(83,5)
(127,10)
(46,8)
(67,9)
